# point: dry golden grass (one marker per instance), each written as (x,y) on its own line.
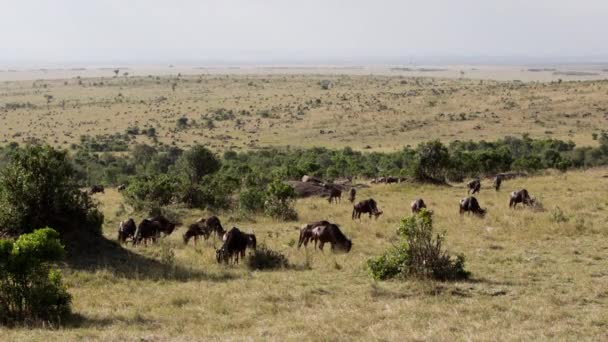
(536,275)
(381,113)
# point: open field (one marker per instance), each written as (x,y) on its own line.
(500,72)
(239,112)
(536,275)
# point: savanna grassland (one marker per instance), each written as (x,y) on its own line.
(241,112)
(536,275)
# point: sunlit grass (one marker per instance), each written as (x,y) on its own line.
(533,277)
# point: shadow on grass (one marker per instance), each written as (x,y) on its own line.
(94,253)
(76,320)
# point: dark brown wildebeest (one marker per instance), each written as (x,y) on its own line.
(126,230)
(473,186)
(520,196)
(121,187)
(471,205)
(204,227)
(151,228)
(335,195)
(497,182)
(166,226)
(235,244)
(417,205)
(366,206)
(306,232)
(352,194)
(331,233)
(147,229)
(96,188)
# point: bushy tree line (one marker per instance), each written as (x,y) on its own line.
(159,175)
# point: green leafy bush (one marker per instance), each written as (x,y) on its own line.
(151,192)
(31,290)
(264,258)
(280,198)
(419,253)
(38,189)
(252,199)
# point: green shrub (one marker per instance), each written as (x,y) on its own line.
(38,189)
(252,199)
(280,198)
(151,192)
(264,258)
(31,290)
(419,254)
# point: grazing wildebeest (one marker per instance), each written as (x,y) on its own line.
(121,187)
(352,194)
(126,230)
(166,226)
(96,188)
(306,232)
(204,227)
(520,196)
(471,205)
(235,244)
(195,230)
(335,195)
(151,228)
(417,205)
(366,206)
(148,229)
(331,233)
(497,182)
(214,225)
(474,186)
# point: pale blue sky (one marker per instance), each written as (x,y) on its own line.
(311,30)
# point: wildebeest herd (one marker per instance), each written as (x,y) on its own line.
(235,242)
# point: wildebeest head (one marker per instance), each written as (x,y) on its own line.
(220,255)
(348,245)
(251,241)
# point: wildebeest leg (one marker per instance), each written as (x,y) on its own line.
(321,243)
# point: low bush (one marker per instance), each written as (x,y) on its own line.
(264,258)
(31,290)
(419,254)
(279,203)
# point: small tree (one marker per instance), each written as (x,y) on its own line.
(31,290)
(196,163)
(432,161)
(182,123)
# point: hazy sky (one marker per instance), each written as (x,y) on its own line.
(308,30)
